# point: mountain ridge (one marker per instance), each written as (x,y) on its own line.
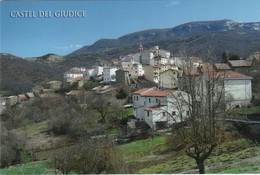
(152,35)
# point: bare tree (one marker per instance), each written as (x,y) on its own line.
(100,104)
(104,105)
(205,110)
(90,156)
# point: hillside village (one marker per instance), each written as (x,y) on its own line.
(147,94)
(164,75)
(130,87)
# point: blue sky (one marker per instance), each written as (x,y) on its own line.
(27,37)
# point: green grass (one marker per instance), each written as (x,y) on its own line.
(153,156)
(112,131)
(177,163)
(251,110)
(127,111)
(144,147)
(34,128)
(223,157)
(248,167)
(32,168)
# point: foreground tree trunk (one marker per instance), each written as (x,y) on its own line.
(201,166)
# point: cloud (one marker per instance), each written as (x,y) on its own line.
(69,47)
(172,3)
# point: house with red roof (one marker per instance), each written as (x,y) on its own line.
(236,87)
(158,108)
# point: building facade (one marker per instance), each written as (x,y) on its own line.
(157,107)
(109,74)
(151,73)
(135,69)
(168,79)
(122,76)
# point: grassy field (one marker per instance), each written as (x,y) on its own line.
(249,167)
(153,156)
(251,110)
(33,128)
(143,147)
(127,111)
(223,158)
(32,168)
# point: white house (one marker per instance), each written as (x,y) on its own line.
(83,69)
(177,61)
(109,74)
(136,57)
(235,86)
(127,58)
(158,61)
(195,61)
(159,108)
(154,56)
(90,72)
(73,73)
(238,90)
(98,70)
(146,56)
(135,69)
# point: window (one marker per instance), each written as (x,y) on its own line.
(147,113)
(149,100)
(136,98)
(173,112)
(157,100)
(163,113)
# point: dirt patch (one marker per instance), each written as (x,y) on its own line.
(43,141)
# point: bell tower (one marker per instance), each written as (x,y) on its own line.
(140,48)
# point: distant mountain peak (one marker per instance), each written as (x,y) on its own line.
(155,35)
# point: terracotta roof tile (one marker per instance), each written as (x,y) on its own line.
(155,66)
(231,74)
(158,93)
(141,90)
(240,63)
(227,75)
(22,97)
(153,107)
(222,66)
(78,78)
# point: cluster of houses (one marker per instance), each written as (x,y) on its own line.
(154,64)
(169,72)
(154,105)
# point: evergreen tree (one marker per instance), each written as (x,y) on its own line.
(121,94)
(224,57)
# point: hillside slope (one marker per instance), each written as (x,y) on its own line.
(18,75)
(49,59)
